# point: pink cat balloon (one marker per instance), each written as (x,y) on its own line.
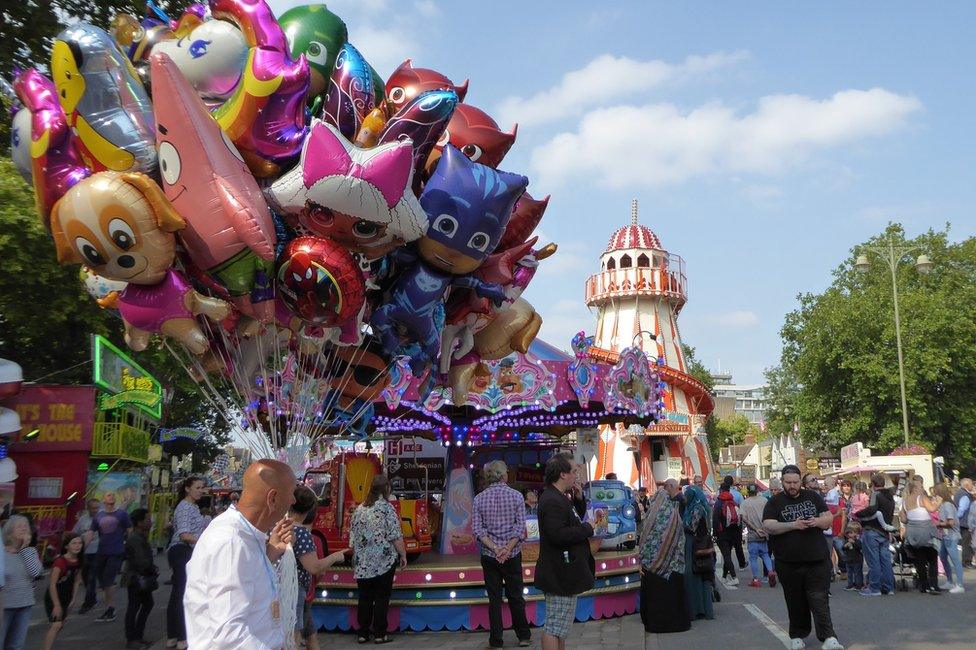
(229,233)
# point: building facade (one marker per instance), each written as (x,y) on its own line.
(747,399)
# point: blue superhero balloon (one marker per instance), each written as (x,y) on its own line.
(468,206)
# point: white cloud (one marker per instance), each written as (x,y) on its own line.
(384,47)
(562,320)
(603,79)
(659,144)
(762,195)
(427,8)
(738,319)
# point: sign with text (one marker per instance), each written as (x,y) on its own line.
(851,454)
(63,415)
(125,381)
(408,474)
(674,468)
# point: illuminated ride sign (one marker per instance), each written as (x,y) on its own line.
(124,382)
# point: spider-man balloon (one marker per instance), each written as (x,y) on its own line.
(319,280)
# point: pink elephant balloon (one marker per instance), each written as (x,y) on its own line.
(229,233)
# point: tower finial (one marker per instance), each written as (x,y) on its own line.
(633,211)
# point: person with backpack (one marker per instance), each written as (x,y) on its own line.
(727,527)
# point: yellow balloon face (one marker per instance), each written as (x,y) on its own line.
(67,78)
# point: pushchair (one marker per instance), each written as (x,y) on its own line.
(903,565)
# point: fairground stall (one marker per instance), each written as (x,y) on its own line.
(520,409)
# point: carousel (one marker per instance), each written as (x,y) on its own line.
(520,409)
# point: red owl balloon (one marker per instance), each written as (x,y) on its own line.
(525,217)
(407,82)
(477,135)
(319,280)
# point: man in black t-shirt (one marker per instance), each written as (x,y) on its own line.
(795,520)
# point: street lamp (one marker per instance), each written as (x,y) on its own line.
(893,255)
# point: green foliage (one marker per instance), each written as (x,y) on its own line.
(731,430)
(696,368)
(781,391)
(839,374)
(47,318)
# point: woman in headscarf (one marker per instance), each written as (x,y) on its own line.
(698,585)
(662,557)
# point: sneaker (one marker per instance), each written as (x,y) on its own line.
(733,582)
(525,643)
(107,617)
(797,644)
(958,589)
(887,593)
(869,593)
(772,578)
(755,583)
(831,644)
(850,588)
(85,609)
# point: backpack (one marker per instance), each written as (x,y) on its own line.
(730,513)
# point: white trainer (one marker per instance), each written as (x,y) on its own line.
(797,644)
(733,581)
(958,589)
(831,644)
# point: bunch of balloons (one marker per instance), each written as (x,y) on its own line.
(248,187)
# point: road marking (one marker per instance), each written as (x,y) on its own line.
(769,624)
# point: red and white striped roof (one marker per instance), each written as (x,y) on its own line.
(634,236)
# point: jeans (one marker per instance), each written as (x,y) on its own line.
(89,577)
(757,551)
(509,573)
(838,544)
(805,587)
(374,601)
(951,559)
(178,555)
(15,622)
(877,553)
(855,574)
(137,611)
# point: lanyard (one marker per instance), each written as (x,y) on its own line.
(268,569)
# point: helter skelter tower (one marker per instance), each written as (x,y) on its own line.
(638,294)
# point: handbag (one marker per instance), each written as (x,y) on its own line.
(147,582)
(703,562)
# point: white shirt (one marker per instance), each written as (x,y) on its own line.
(231,588)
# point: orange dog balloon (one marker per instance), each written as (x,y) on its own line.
(229,233)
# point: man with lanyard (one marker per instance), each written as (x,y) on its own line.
(498,522)
(964,501)
(795,520)
(232,593)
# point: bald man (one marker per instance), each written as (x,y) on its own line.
(232,594)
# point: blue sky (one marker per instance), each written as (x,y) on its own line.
(762,139)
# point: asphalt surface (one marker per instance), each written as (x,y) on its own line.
(747,618)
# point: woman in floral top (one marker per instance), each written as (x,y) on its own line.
(377,544)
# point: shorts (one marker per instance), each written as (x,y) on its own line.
(560,614)
(107,569)
(303,619)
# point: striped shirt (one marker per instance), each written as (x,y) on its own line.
(187,519)
(20,569)
(499,515)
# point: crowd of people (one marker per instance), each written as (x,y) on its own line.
(802,534)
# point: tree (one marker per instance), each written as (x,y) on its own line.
(780,398)
(47,318)
(839,353)
(730,430)
(696,368)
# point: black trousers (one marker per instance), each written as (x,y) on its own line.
(735,534)
(178,555)
(967,545)
(925,559)
(725,546)
(509,575)
(374,601)
(137,611)
(90,579)
(805,587)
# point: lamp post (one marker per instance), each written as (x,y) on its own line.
(893,255)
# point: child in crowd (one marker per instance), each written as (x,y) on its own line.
(64,585)
(860,500)
(853,557)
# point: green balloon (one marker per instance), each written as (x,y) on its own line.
(319,34)
(379,85)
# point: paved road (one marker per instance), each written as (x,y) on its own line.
(747,618)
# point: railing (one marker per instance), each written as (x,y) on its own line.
(118,440)
(637,281)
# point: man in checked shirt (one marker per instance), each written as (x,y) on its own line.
(499,525)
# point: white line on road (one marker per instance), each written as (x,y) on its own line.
(769,624)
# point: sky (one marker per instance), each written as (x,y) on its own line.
(763,140)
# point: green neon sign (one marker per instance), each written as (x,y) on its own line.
(125,381)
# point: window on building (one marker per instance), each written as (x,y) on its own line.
(611,264)
(657,451)
(643,262)
(626,262)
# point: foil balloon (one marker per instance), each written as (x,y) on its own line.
(319,34)
(105,103)
(407,83)
(319,280)
(20,141)
(379,91)
(265,118)
(230,234)
(422,120)
(525,217)
(121,226)
(372,126)
(55,163)
(137,38)
(211,57)
(100,288)
(356,372)
(360,198)
(350,93)
(477,135)
(468,206)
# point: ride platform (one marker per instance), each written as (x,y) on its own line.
(447,592)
